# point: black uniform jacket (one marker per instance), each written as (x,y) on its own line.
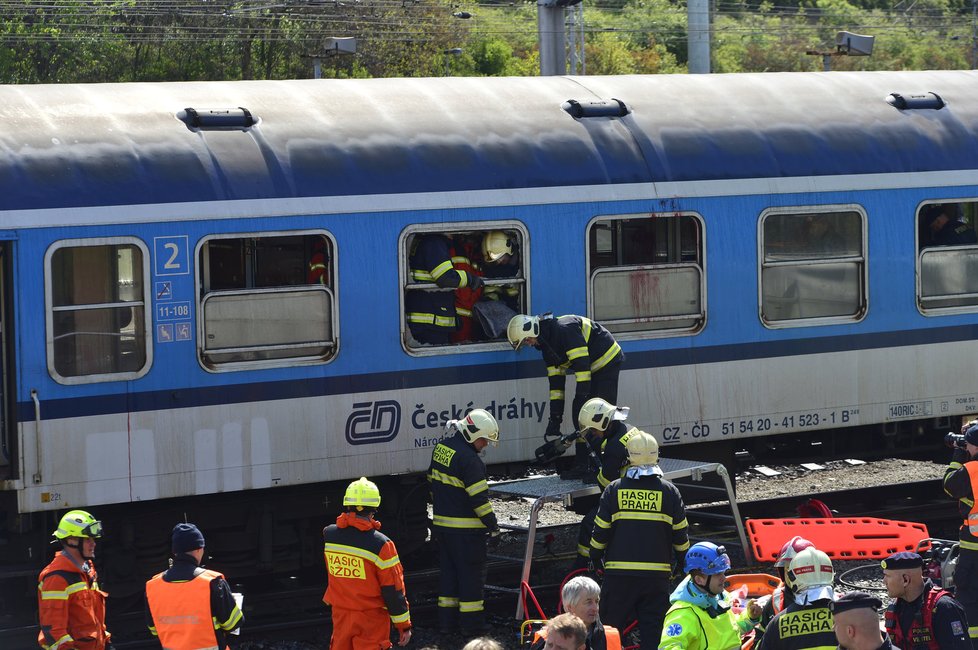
(459,493)
(614,455)
(640,526)
(949,623)
(798,627)
(579,345)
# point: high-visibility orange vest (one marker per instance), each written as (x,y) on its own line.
(612,637)
(182,612)
(972,519)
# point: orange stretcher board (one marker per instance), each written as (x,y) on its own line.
(841,538)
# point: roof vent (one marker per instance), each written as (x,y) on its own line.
(913,102)
(595,108)
(216,118)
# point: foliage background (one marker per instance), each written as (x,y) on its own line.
(74,41)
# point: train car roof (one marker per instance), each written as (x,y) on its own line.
(120,144)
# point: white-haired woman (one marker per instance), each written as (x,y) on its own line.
(581,596)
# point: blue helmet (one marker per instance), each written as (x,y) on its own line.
(708,558)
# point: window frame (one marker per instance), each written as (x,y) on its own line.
(404,281)
(930,312)
(701,267)
(862,259)
(49,310)
(256,364)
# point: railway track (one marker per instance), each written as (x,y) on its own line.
(288,610)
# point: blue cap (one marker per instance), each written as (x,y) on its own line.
(903,560)
(855,600)
(186,537)
(971,435)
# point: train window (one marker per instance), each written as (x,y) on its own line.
(647,273)
(813,267)
(948,256)
(96,310)
(266,300)
(439,314)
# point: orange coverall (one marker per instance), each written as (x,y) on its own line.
(366,584)
(71,607)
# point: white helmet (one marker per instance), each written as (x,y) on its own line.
(811,576)
(790,549)
(643,448)
(495,244)
(522,327)
(479,424)
(598,414)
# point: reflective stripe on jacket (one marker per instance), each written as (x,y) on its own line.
(459,492)
(801,627)
(363,569)
(181,611)
(640,526)
(614,455)
(921,633)
(431,261)
(688,627)
(959,484)
(71,607)
(574,344)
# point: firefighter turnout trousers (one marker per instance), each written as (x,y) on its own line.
(627,597)
(462,563)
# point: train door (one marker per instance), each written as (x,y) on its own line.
(8,451)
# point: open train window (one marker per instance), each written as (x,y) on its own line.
(96,296)
(813,266)
(646,274)
(947,266)
(441,309)
(267,299)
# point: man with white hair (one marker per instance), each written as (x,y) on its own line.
(639,530)
(581,597)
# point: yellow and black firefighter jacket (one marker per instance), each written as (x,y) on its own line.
(432,261)
(640,526)
(961,483)
(614,455)
(579,345)
(459,493)
(801,627)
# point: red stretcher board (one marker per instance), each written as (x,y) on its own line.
(841,538)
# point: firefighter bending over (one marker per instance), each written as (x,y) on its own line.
(579,345)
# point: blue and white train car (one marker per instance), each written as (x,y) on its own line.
(763,246)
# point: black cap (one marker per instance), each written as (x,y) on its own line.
(971,435)
(855,600)
(186,537)
(903,560)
